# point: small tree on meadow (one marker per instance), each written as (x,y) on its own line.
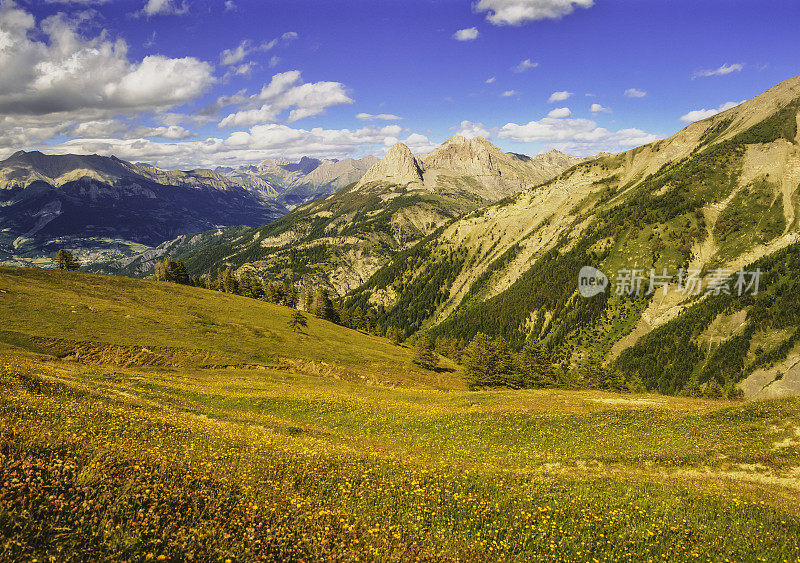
(65,260)
(297,322)
(425,353)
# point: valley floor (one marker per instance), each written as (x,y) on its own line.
(136,463)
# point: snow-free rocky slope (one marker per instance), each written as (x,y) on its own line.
(720,194)
(341,240)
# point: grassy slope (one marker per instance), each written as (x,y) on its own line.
(233,329)
(242,464)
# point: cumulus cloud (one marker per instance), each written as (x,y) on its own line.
(509,93)
(527,64)
(559,96)
(578,136)
(491,80)
(519,12)
(698,114)
(286,92)
(635,93)
(469,129)
(558,113)
(67,76)
(721,71)
(378,116)
(419,143)
(597,108)
(164,8)
(468,34)
(230,6)
(100,128)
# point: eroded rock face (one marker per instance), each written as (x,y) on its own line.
(399,166)
(472,165)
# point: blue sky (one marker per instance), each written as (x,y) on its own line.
(183,83)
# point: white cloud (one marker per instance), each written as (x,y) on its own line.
(597,108)
(518,12)
(721,71)
(509,93)
(419,143)
(525,65)
(469,129)
(559,113)
(100,128)
(468,34)
(286,92)
(289,36)
(559,96)
(230,6)
(698,114)
(233,56)
(635,93)
(274,60)
(491,80)
(49,69)
(164,8)
(170,132)
(578,136)
(380,116)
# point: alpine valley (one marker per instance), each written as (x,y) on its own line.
(469,239)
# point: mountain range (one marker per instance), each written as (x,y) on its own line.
(104,208)
(470,239)
(341,240)
(718,196)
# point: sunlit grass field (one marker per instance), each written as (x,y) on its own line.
(274,451)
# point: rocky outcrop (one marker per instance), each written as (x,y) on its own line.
(398,167)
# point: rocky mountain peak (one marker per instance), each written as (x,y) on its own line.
(399,166)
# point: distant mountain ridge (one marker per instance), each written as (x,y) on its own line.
(295,183)
(340,240)
(105,208)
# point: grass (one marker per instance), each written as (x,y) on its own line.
(231,329)
(262,462)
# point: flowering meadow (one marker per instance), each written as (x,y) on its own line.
(143,421)
(122,466)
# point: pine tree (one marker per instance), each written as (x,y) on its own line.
(594,374)
(297,321)
(488,363)
(424,353)
(65,260)
(395,335)
(173,271)
(229,283)
(534,367)
(322,306)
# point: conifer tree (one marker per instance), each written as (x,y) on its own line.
(534,367)
(65,260)
(424,353)
(322,306)
(229,283)
(297,322)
